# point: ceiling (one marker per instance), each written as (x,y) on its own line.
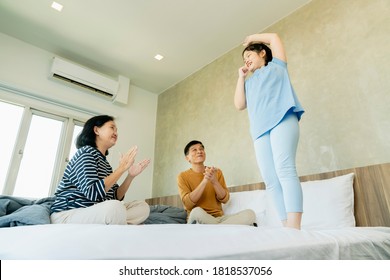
(121,37)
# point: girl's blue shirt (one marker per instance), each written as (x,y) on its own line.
(269,96)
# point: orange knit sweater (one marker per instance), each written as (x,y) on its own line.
(188,181)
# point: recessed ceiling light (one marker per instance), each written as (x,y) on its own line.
(56,6)
(158,56)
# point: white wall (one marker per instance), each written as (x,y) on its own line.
(26,68)
(338,61)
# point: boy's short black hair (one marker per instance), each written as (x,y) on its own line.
(188,146)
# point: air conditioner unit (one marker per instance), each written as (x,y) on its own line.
(90,80)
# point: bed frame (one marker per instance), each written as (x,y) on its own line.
(371,191)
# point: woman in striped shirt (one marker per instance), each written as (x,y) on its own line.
(88,191)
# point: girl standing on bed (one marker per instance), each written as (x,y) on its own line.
(274,112)
(88,192)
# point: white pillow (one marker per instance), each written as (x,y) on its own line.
(271,217)
(255,200)
(329,203)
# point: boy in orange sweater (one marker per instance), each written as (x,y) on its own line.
(203,190)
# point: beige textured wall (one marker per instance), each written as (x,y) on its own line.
(339,62)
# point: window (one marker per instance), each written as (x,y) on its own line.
(76,131)
(11,115)
(37,146)
(39,154)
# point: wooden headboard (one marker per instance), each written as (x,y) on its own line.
(371,191)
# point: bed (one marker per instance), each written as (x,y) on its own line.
(346,216)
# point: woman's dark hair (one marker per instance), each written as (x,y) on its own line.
(258,47)
(188,146)
(87,135)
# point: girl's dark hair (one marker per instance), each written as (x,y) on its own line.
(258,47)
(87,135)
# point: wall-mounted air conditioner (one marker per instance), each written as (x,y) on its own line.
(90,80)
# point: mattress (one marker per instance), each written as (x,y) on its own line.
(191,242)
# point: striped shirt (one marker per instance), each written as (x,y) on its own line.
(83,182)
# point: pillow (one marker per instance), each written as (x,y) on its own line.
(329,203)
(255,200)
(272,217)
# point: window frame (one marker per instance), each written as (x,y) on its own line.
(34,104)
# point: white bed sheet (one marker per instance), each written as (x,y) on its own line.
(172,241)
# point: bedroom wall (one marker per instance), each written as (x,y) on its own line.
(26,68)
(338,53)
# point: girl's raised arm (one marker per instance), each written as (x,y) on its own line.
(271,39)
